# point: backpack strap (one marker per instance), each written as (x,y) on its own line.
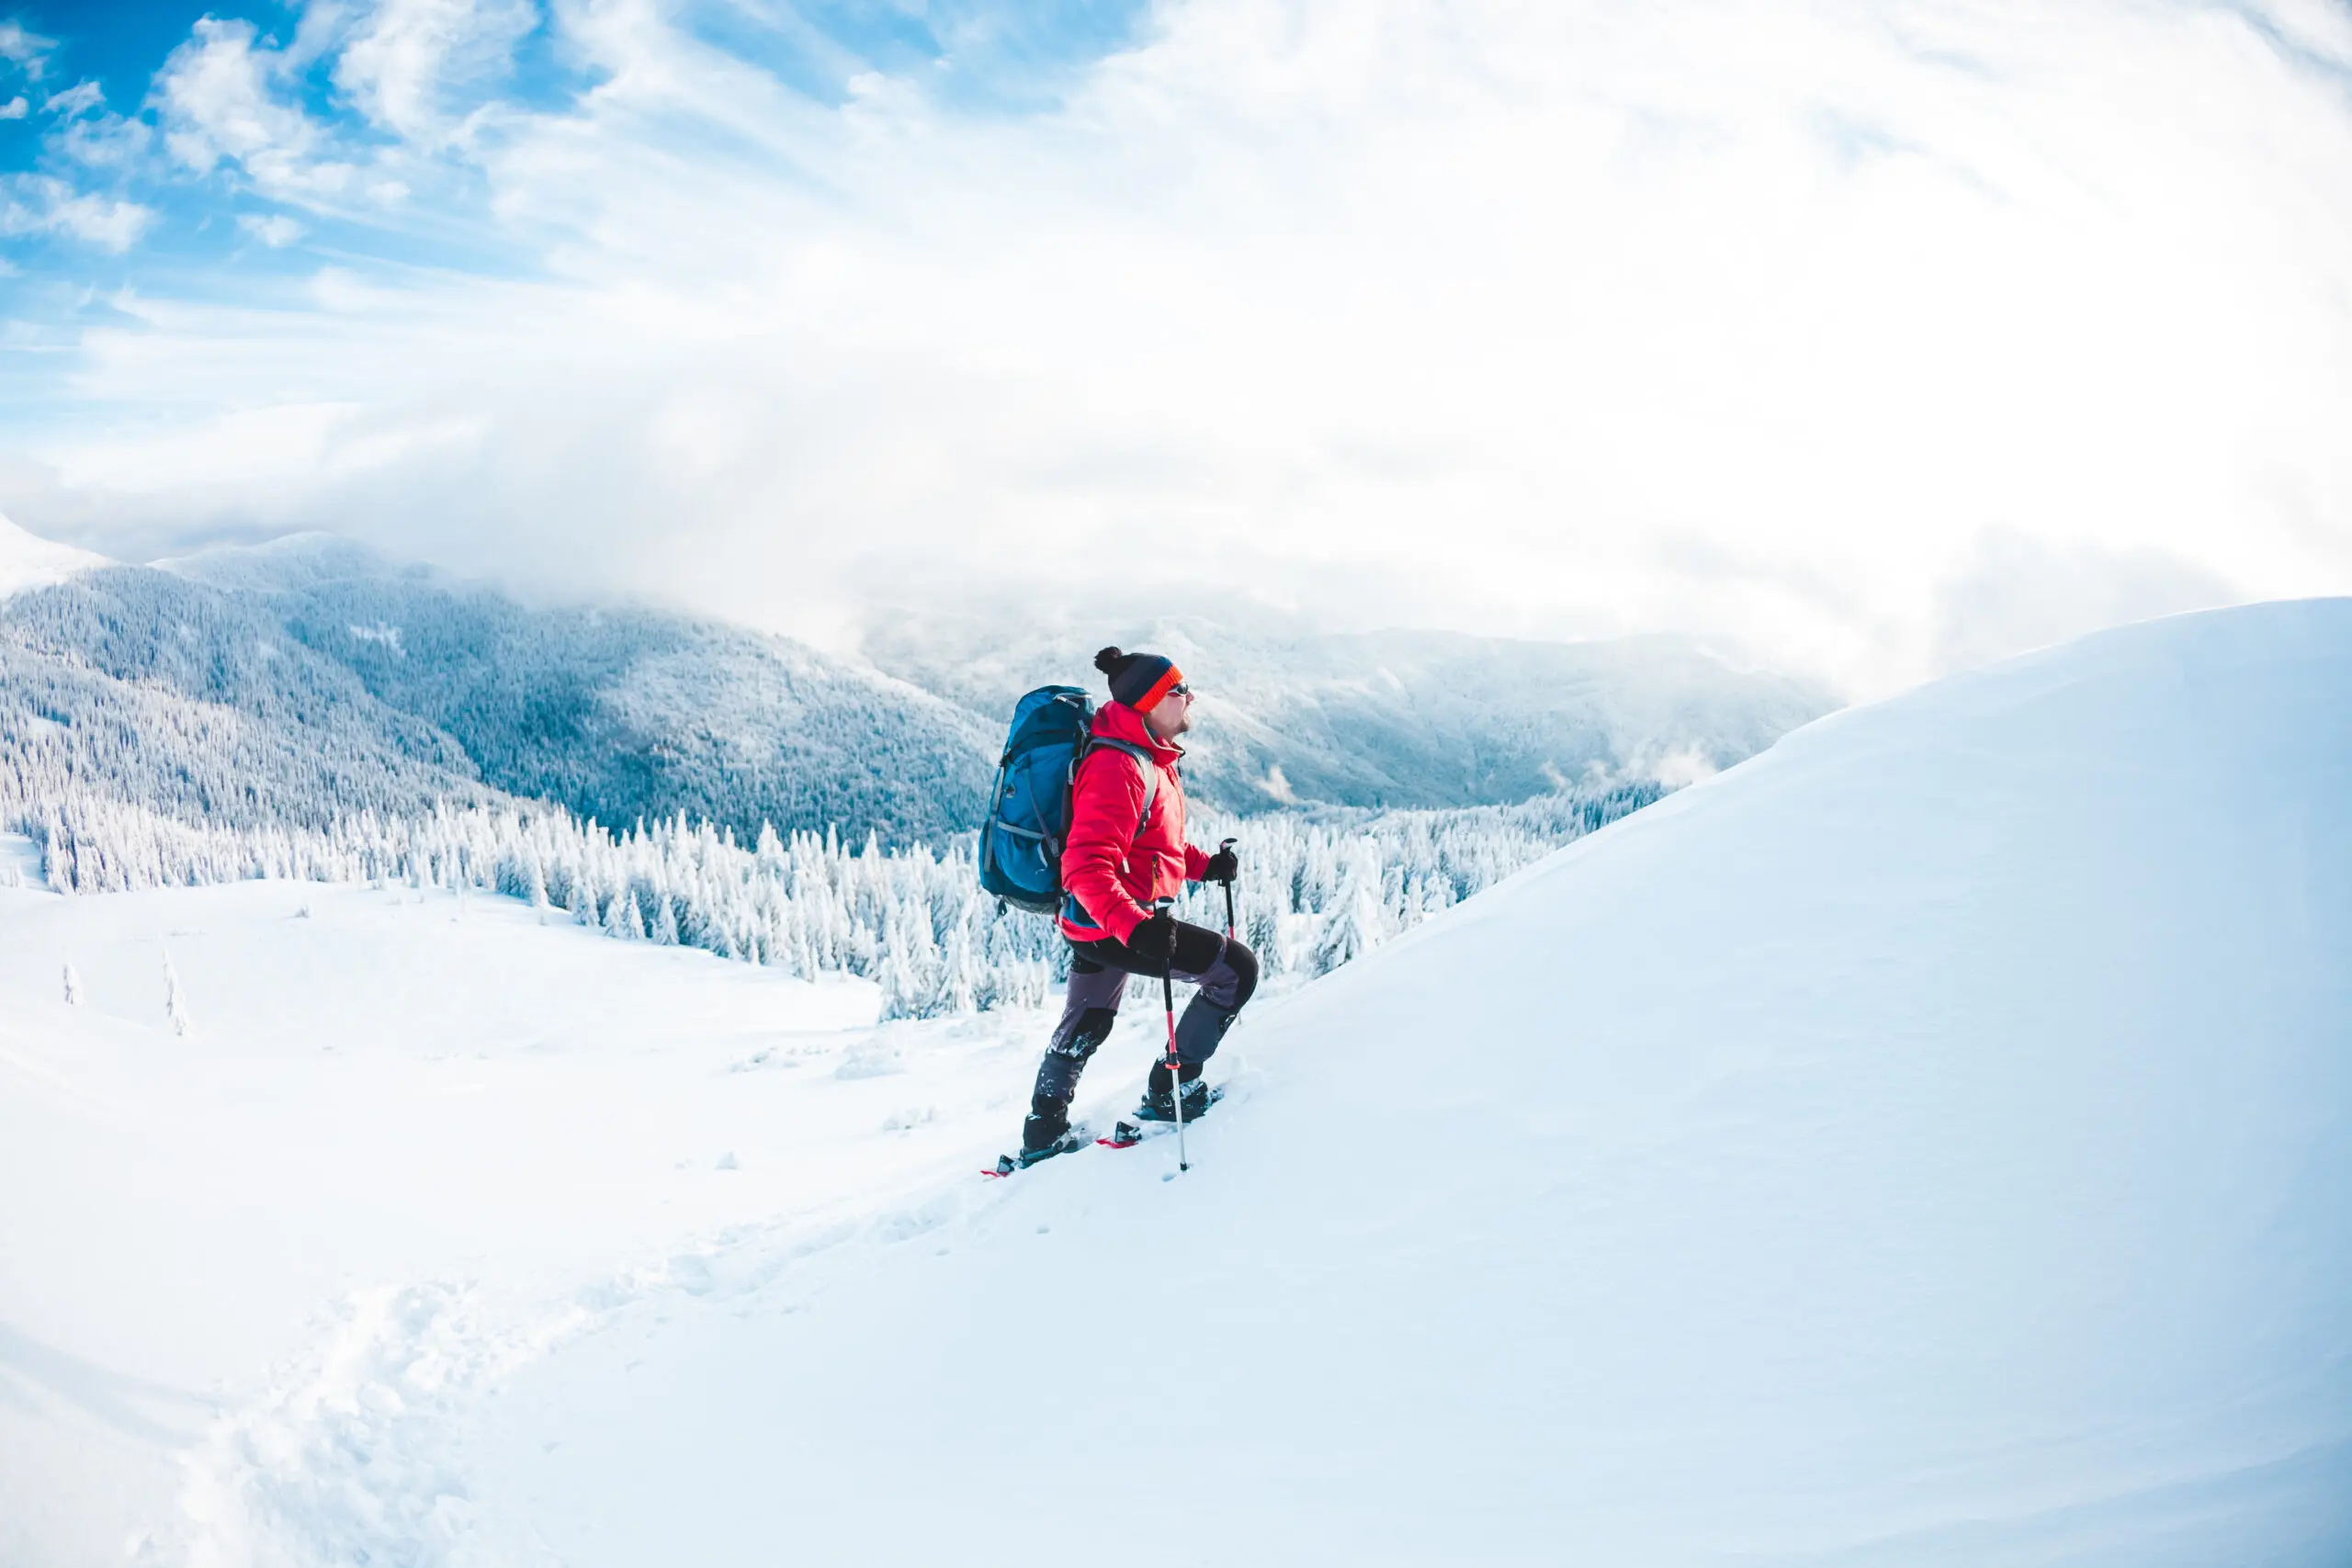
(1072,911)
(1150,770)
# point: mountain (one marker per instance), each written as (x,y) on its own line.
(623,713)
(1385,719)
(202,703)
(309,678)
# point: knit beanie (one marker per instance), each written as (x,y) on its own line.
(1139,680)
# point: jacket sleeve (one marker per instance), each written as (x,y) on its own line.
(1196,861)
(1106,809)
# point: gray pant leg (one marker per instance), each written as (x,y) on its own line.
(1090,1010)
(1224,985)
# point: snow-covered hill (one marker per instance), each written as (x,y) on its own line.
(1929,1143)
(27,560)
(132,684)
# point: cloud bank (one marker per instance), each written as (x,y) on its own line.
(1868,339)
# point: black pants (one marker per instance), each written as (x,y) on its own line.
(1226,971)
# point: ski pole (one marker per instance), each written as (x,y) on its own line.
(1175,1063)
(1228,893)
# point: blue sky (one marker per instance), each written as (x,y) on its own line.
(1868,337)
(221,229)
(102,205)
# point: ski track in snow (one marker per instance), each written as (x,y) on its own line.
(362,1443)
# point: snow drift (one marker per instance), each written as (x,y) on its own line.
(1929,1143)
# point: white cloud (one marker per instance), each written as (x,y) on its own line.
(79,98)
(89,134)
(283,441)
(1750,322)
(104,140)
(218,99)
(15,108)
(42,204)
(275,230)
(28,52)
(406,58)
(2014,593)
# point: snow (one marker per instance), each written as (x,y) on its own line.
(20,865)
(27,560)
(1928,1142)
(402,1124)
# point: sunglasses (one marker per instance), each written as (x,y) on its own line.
(1181,689)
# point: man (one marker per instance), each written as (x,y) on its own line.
(1125,853)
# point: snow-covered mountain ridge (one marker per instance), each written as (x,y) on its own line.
(308,678)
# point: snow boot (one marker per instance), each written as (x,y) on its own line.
(1046,1132)
(1160,1105)
(1072,1137)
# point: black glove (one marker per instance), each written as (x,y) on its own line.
(1224,866)
(1155,939)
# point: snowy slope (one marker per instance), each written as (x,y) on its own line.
(27,560)
(408,1138)
(1928,1144)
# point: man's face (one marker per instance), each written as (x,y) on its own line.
(1172,715)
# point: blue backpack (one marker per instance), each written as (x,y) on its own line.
(1028,815)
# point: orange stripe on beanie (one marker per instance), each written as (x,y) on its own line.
(1159,689)
(1139,680)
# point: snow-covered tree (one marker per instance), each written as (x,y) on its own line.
(1316,891)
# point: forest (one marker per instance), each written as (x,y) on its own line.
(1317,889)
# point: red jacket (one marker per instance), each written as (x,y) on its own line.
(1114,864)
